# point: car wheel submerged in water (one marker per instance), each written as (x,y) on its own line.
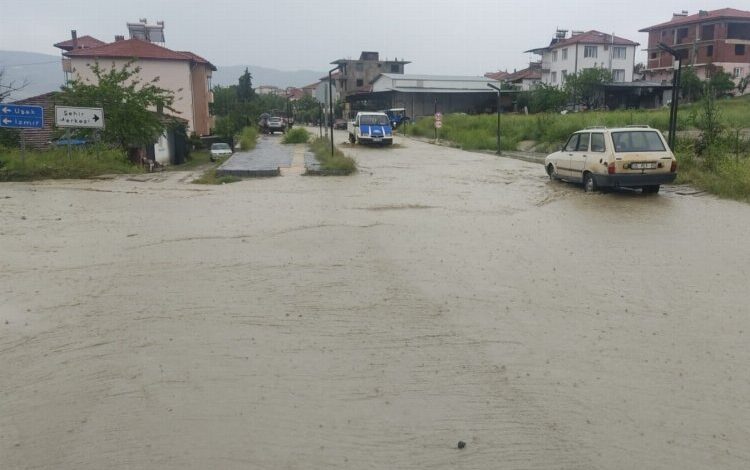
(589,185)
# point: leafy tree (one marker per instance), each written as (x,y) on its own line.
(742,85)
(225,100)
(711,127)
(226,127)
(585,86)
(690,84)
(720,82)
(546,98)
(6,89)
(245,92)
(307,109)
(128,103)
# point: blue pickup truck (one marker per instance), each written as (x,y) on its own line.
(371,128)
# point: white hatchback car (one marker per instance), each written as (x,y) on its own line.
(220,149)
(597,157)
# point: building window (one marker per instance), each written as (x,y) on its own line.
(738,31)
(663,33)
(565,54)
(563,76)
(360,82)
(394,68)
(554,56)
(554,77)
(682,34)
(619,52)
(654,56)
(709,51)
(739,49)
(359,67)
(590,51)
(707,32)
(737,72)
(618,75)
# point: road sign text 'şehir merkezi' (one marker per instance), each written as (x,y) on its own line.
(69,116)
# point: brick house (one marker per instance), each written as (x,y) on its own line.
(720,38)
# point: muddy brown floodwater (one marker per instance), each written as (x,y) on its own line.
(372,321)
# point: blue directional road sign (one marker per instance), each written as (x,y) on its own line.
(21,117)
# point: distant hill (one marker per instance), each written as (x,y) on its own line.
(44,74)
(264,76)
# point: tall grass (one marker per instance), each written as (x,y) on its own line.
(297,135)
(337,163)
(551,130)
(55,164)
(248,138)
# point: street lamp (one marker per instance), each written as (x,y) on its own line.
(330,102)
(675,93)
(499,91)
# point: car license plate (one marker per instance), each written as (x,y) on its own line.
(643,166)
(377,139)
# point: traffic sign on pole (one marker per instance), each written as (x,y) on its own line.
(18,116)
(71,116)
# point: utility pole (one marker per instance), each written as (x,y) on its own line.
(499,91)
(330,102)
(675,93)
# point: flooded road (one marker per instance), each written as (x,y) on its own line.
(372,321)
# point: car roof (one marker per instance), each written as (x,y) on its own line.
(635,127)
(369,113)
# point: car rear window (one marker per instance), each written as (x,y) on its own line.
(220,146)
(637,141)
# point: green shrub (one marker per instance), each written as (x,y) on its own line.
(297,135)
(338,163)
(210,177)
(248,138)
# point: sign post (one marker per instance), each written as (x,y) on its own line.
(15,116)
(76,116)
(499,104)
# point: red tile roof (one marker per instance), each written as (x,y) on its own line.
(594,37)
(499,75)
(531,73)
(82,42)
(724,13)
(198,59)
(136,48)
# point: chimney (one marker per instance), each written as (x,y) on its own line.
(119,38)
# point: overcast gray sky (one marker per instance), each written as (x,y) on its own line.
(439,37)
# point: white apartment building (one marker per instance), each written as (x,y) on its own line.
(584,50)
